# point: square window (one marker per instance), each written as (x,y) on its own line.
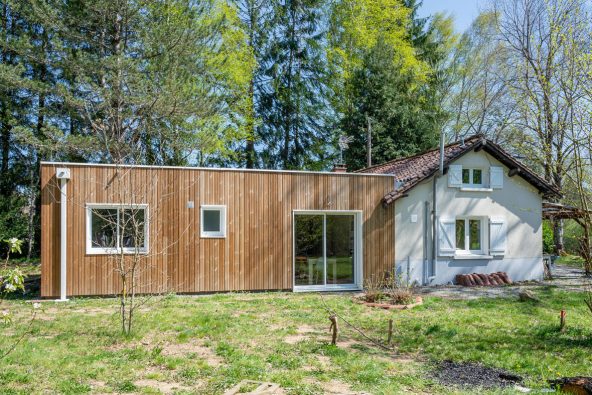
(469,235)
(213,221)
(472,177)
(114,228)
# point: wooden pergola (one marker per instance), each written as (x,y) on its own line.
(562,211)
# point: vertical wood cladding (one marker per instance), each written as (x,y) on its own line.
(257,251)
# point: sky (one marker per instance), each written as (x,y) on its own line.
(463,11)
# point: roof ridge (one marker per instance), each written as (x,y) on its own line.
(393,161)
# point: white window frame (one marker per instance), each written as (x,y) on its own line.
(358,252)
(471,184)
(213,235)
(90,250)
(482,235)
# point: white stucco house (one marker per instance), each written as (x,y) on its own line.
(482,215)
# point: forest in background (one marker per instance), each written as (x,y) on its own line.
(276,83)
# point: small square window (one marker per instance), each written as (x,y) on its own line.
(213,221)
(472,177)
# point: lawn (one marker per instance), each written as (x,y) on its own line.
(570,260)
(207,344)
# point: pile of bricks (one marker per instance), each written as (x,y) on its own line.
(478,279)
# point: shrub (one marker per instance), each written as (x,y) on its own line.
(374,289)
(393,289)
(399,290)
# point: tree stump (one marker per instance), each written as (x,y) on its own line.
(333,328)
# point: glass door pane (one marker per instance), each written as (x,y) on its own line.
(309,266)
(340,249)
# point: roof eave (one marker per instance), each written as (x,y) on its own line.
(543,186)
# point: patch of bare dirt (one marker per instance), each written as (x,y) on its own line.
(335,387)
(171,348)
(165,387)
(323,363)
(94,311)
(99,387)
(194,346)
(303,332)
(349,343)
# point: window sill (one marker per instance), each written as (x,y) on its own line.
(472,256)
(115,252)
(213,236)
(474,189)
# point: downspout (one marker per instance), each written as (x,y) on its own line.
(63,175)
(426,240)
(435,209)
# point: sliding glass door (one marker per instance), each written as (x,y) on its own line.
(309,261)
(325,249)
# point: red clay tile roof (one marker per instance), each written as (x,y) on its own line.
(411,170)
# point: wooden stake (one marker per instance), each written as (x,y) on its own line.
(390,332)
(562,320)
(333,327)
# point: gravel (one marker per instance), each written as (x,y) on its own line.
(474,375)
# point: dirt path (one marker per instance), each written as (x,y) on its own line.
(564,277)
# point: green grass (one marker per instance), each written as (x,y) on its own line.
(210,343)
(570,260)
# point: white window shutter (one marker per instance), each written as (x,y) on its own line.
(496,177)
(455,176)
(446,237)
(497,236)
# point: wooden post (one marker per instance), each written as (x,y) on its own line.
(333,327)
(390,332)
(562,321)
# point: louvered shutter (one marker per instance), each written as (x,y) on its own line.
(455,176)
(446,237)
(497,236)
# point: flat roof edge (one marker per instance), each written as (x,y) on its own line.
(51,163)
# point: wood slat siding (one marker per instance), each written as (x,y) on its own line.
(257,251)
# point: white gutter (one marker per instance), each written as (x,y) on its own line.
(63,174)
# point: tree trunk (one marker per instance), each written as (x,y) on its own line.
(5,189)
(558,236)
(250,148)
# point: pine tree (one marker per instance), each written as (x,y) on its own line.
(385,98)
(293,105)
(256,20)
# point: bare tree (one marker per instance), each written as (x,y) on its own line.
(535,34)
(480,101)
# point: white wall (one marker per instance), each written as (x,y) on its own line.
(518,202)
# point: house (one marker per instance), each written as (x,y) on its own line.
(488,213)
(196,230)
